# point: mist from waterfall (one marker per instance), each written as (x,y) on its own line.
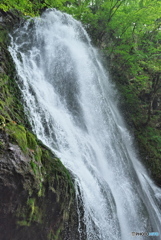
(72,107)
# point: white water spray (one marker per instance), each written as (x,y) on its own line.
(72,108)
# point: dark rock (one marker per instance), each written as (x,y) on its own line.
(25,213)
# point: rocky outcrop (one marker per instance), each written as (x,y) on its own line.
(37,196)
(37,199)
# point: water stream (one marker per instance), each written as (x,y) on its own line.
(72,107)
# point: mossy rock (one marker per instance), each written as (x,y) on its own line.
(2,120)
(18,135)
(31,141)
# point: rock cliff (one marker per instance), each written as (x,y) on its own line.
(37,199)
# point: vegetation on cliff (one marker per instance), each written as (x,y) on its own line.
(37,194)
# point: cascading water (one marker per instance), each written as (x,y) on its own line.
(72,108)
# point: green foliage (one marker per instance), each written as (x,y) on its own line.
(54,236)
(31,140)
(25,6)
(31,213)
(33,7)
(128,31)
(18,135)
(149,139)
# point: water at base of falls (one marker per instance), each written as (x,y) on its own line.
(71,105)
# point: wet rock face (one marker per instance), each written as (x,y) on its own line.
(9,19)
(25,213)
(37,197)
(12,180)
(7,22)
(14,171)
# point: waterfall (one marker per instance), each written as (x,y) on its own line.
(72,107)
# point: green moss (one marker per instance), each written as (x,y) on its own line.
(55,169)
(55,236)
(2,120)
(34,167)
(45,166)
(3,35)
(41,192)
(29,213)
(10,106)
(31,141)
(23,223)
(149,139)
(18,135)
(35,213)
(38,154)
(1,145)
